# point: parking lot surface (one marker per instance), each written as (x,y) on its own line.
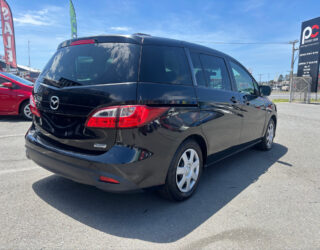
(252,200)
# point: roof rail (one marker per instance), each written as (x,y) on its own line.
(140,34)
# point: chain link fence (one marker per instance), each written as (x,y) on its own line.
(301,89)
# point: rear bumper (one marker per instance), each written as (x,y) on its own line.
(120,163)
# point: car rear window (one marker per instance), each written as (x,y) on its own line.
(18,79)
(91,64)
(163,64)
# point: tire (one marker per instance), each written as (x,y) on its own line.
(183,177)
(267,140)
(25,111)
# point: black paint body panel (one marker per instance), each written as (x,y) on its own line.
(224,121)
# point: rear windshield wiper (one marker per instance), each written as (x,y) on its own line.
(51,82)
(63,82)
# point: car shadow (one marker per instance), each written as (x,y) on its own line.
(148,217)
(12,118)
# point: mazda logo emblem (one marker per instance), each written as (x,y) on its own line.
(54,102)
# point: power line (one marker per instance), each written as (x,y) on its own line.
(260,77)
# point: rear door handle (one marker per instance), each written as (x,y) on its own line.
(233,99)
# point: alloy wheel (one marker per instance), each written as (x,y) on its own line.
(187,170)
(270,135)
(27,111)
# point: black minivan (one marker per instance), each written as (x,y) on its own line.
(126,113)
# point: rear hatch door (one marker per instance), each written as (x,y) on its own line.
(78,80)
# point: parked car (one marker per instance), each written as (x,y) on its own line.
(132,112)
(285,88)
(14,95)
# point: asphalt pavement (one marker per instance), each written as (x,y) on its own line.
(253,200)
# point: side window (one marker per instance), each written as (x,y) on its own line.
(2,80)
(164,65)
(215,72)
(197,67)
(244,81)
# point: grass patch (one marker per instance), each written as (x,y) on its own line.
(287,100)
(280,100)
(314,100)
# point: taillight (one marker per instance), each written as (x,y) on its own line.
(108,179)
(128,116)
(33,108)
(103,118)
(84,41)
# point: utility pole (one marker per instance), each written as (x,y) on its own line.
(260,78)
(294,49)
(29,64)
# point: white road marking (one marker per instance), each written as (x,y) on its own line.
(6,136)
(9,171)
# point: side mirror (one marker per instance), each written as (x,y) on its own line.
(7,85)
(265,90)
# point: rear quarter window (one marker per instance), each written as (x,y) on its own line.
(163,64)
(198,70)
(215,71)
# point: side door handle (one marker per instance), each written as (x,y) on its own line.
(233,99)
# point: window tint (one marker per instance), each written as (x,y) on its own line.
(164,65)
(244,81)
(197,67)
(2,80)
(17,78)
(215,72)
(92,64)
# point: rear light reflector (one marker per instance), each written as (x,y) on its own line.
(85,41)
(33,108)
(108,179)
(128,116)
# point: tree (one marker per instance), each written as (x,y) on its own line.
(287,77)
(280,78)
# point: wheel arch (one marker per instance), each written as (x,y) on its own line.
(202,143)
(21,103)
(274,118)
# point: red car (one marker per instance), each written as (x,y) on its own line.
(14,95)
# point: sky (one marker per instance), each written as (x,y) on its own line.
(46,23)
